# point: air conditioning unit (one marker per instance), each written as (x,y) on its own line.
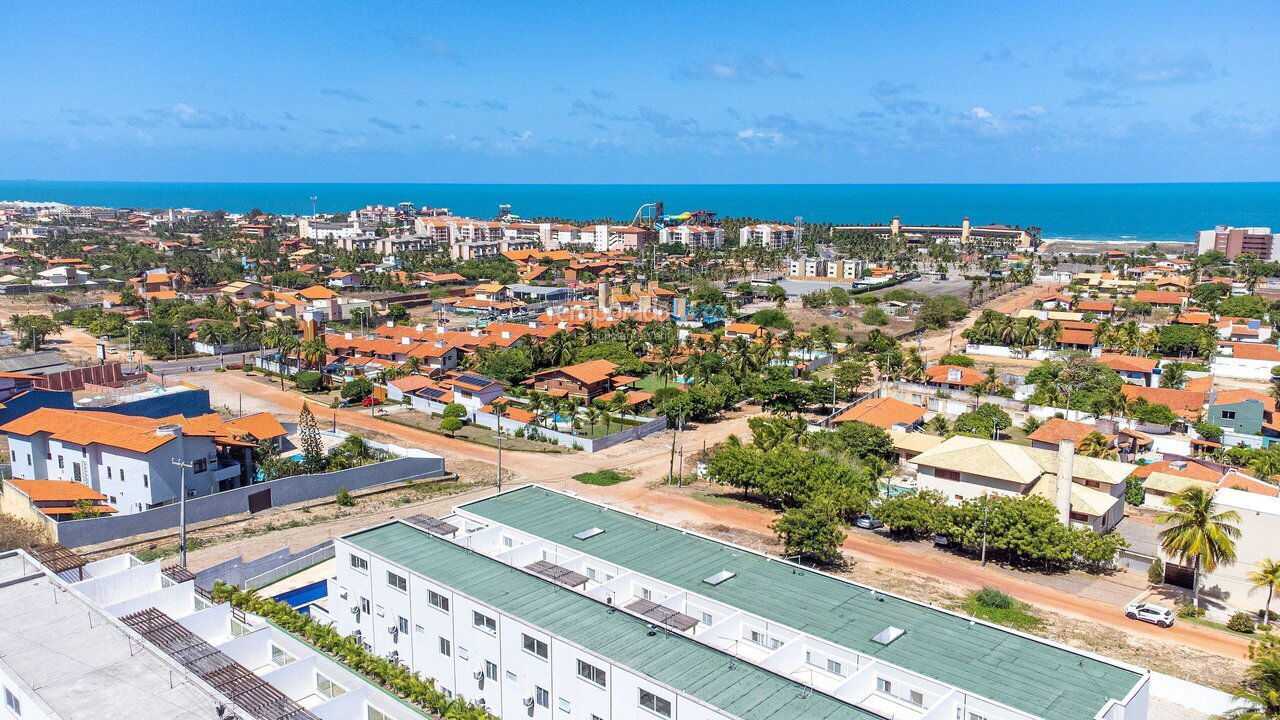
(355,609)
(478,675)
(357,634)
(394,657)
(528,702)
(394,630)
(343,594)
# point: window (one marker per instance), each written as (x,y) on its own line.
(437,600)
(655,704)
(484,622)
(359,563)
(915,697)
(444,647)
(403,625)
(146,480)
(508,542)
(884,686)
(327,687)
(1228,414)
(490,670)
(199,466)
(835,667)
(11,702)
(512,677)
(707,619)
(59,462)
(109,473)
(364,605)
(280,658)
(591,673)
(945,474)
(535,646)
(542,697)
(462,652)
(591,573)
(75,472)
(398,582)
(376,714)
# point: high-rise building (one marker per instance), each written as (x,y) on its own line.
(1232,241)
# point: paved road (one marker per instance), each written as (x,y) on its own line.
(170,368)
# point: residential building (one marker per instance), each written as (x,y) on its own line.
(138,463)
(963,233)
(962,468)
(586,380)
(692,236)
(58,499)
(120,638)
(341,232)
(1232,241)
(953,377)
(1246,416)
(1246,361)
(770,236)
(1135,370)
(549,606)
(887,413)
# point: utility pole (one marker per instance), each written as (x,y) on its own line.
(499,416)
(671,466)
(182,510)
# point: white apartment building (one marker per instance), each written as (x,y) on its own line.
(692,236)
(131,460)
(769,236)
(809,267)
(846,269)
(547,606)
(313,229)
(119,638)
(561,236)
(375,214)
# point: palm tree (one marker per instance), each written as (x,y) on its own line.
(1260,692)
(1095,445)
(938,425)
(1174,375)
(1266,576)
(1199,533)
(1052,333)
(592,416)
(1265,464)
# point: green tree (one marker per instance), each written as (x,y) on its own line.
(940,311)
(356,389)
(1267,575)
(1174,375)
(451,424)
(1155,572)
(875,316)
(772,318)
(455,410)
(1199,533)
(1135,492)
(1259,693)
(910,514)
(309,440)
(813,531)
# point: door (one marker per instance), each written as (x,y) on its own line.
(260,500)
(1179,575)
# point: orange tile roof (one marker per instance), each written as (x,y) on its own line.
(262,426)
(1254,351)
(588,372)
(1237,480)
(1193,470)
(882,412)
(317,292)
(1076,337)
(1183,402)
(1193,318)
(56,490)
(742,328)
(939,374)
(1158,297)
(1056,429)
(1127,363)
(1200,384)
(1234,396)
(1095,306)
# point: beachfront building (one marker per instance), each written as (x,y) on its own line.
(963,233)
(1231,241)
(692,236)
(548,606)
(769,236)
(809,268)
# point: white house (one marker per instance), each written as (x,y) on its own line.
(61,276)
(134,461)
(1246,361)
(769,236)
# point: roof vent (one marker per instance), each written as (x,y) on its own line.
(589,533)
(719,577)
(888,635)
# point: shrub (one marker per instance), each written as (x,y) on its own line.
(455,410)
(993,598)
(956,359)
(1241,622)
(451,425)
(875,316)
(343,498)
(1155,573)
(307,381)
(357,389)
(603,478)
(1187,610)
(1208,430)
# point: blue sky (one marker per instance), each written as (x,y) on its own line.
(722,92)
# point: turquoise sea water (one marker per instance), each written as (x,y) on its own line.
(1147,212)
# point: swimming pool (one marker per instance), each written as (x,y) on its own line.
(300,599)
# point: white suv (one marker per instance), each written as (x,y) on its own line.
(1149,612)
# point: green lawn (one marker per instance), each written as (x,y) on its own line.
(652,383)
(1015,617)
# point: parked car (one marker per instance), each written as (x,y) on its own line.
(1149,612)
(941,540)
(370,402)
(867,522)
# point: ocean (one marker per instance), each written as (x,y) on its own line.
(1170,212)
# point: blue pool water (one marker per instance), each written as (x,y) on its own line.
(300,598)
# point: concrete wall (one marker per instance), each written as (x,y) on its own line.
(238,572)
(297,488)
(649,427)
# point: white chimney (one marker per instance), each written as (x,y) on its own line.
(420,327)
(391,323)
(349,336)
(406,340)
(1066,471)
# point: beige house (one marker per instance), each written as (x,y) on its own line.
(966,467)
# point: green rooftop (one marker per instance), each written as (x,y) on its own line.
(696,670)
(1027,674)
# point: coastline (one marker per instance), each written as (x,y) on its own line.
(1094,247)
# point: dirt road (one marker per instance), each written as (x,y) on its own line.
(940,342)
